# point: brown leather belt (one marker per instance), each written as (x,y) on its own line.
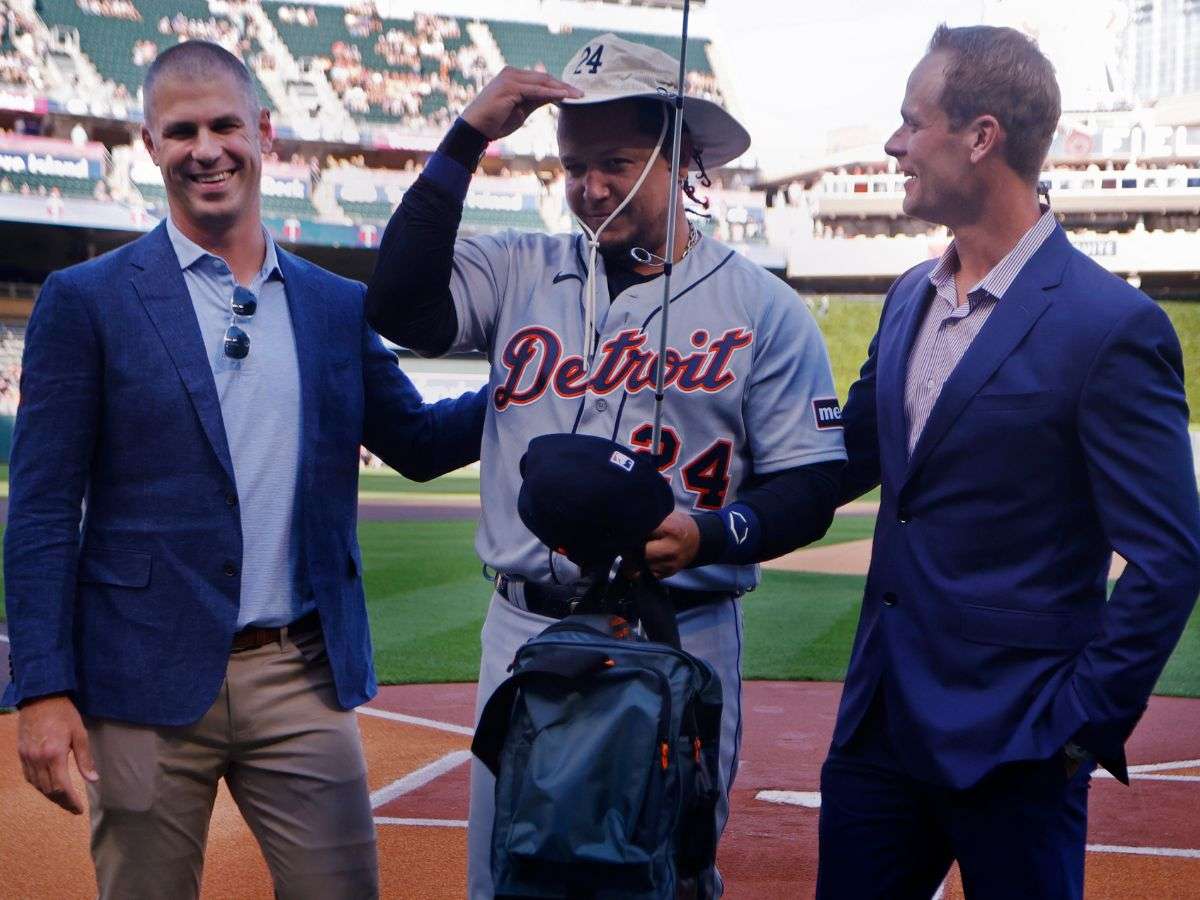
(252,637)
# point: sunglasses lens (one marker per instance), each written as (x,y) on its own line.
(244,302)
(237,343)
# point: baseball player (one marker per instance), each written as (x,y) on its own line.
(751,431)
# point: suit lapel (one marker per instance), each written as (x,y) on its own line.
(160,286)
(893,366)
(1016,312)
(308,314)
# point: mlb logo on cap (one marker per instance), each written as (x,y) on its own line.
(573,498)
(620,459)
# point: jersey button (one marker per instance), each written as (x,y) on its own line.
(601,405)
(231,499)
(229,568)
(889,599)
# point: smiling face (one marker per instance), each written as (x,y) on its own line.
(942,185)
(208,139)
(603,151)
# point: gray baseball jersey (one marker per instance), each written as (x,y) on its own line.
(749,388)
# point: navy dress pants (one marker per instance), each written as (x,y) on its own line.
(1020,832)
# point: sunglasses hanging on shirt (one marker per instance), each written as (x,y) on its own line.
(243,305)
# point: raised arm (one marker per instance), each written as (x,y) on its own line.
(410,299)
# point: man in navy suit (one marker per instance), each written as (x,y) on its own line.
(1024,412)
(200,396)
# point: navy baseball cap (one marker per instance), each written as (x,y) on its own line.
(590,498)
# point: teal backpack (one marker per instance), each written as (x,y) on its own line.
(605,753)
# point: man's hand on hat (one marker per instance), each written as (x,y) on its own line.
(508,99)
(672,545)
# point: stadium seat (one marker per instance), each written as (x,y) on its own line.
(527,46)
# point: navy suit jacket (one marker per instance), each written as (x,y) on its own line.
(133,611)
(1060,437)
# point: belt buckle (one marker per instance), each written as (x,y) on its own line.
(506,587)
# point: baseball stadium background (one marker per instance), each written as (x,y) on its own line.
(360,93)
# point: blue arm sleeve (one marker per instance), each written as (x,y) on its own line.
(419,440)
(774,515)
(409,299)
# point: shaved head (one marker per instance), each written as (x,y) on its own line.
(196,61)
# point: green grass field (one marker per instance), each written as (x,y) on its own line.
(849,325)
(427,598)
(426,618)
(386,481)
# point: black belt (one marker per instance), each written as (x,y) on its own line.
(252,636)
(554,600)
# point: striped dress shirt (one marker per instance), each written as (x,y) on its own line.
(948,329)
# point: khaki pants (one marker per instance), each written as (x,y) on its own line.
(292,760)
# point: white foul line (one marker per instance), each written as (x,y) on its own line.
(1144,851)
(416,720)
(419,778)
(1167,766)
(422,823)
(1150,771)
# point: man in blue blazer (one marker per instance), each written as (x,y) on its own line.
(199,397)
(1024,412)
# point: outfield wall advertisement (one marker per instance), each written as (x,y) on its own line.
(21,155)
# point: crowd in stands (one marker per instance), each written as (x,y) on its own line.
(703,84)
(409,90)
(19,44)
(219,31)
(12,344)
(13,69)
(298,15)
(144,52)
(111,9)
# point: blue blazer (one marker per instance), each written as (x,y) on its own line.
(1060,437)
(132,612)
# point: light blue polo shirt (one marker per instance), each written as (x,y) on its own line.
(260,405)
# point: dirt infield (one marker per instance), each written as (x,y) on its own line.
(1144,840)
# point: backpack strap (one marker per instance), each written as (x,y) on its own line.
(550,664)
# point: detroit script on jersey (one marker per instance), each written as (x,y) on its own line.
(534,362)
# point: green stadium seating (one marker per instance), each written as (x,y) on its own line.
(285,207)
(495,220)
(472,220)
(68,187)
(526,45)
(432,102)
(367,212)
(108,43)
